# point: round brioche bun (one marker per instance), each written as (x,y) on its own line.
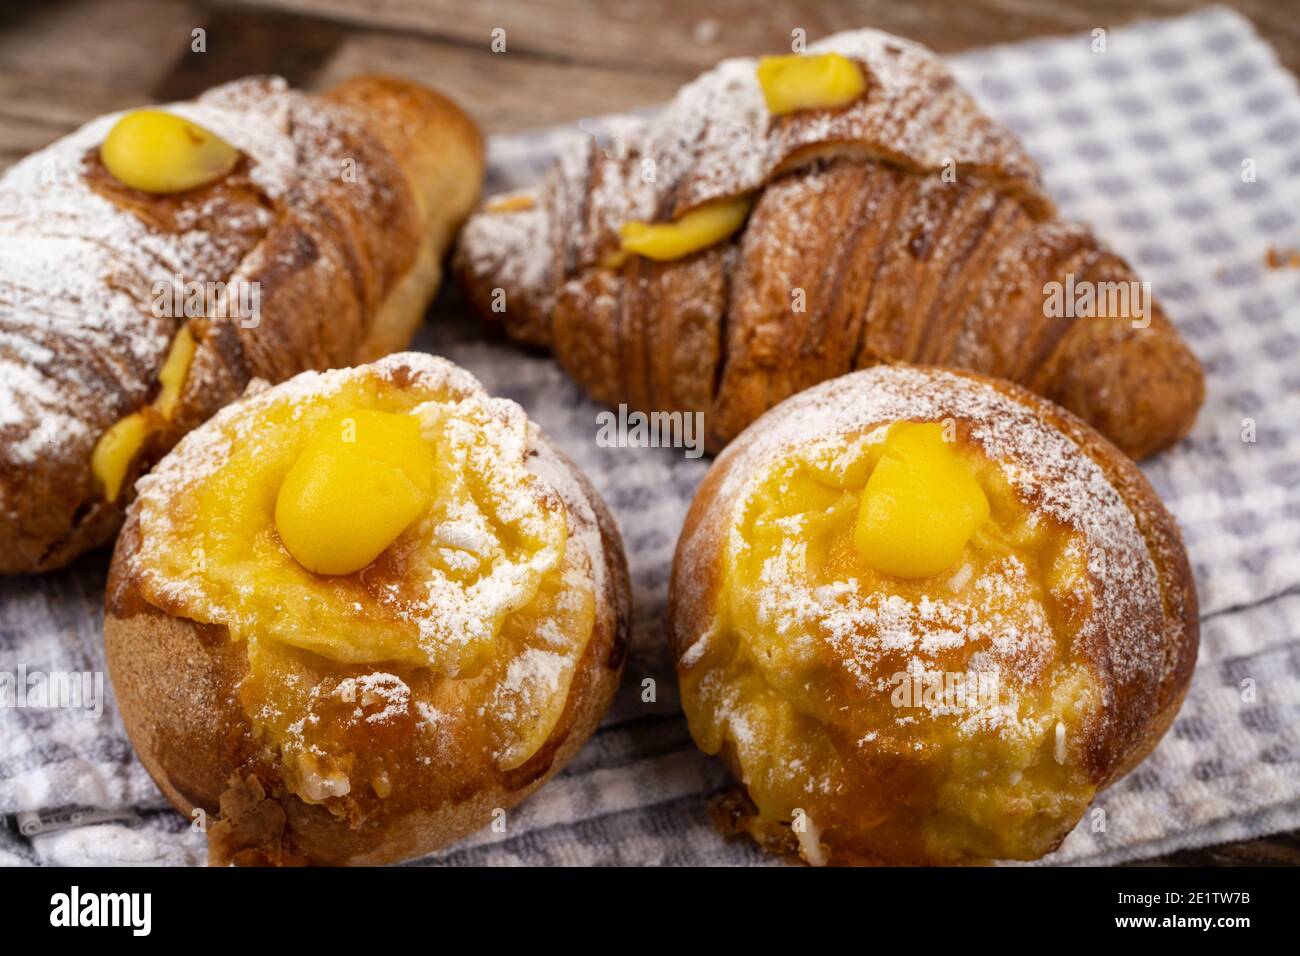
(176,684)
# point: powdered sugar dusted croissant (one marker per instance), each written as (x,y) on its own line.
(760,236)
(153,263)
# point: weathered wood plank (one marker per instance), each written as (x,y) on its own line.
(241,43)
(123,44)
(504,92)
(35,111)
(682,34)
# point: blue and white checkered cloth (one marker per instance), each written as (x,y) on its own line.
(1180,144)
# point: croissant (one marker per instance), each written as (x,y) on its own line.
(924,616)
(761,235)
(152,264)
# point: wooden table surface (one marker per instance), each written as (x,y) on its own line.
(63,62)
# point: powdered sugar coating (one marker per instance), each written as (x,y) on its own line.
(1131,650)
(966,716)
(875,637)
(716,140)
(523,694)
(513,438)
(379,696)
(76,269)
(1052,475)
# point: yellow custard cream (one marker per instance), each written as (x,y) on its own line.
(159,152)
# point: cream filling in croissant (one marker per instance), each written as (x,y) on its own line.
(117,448)
(698,229)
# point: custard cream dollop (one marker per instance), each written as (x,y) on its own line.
(478,552)
(809,81)
(360,482)
(920,506)
(159,152)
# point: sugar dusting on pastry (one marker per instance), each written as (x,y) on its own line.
(378,696)
(79,342)
(992,619)
(828,686)
(998,615)
(529,692)
(1046,467)
(716,140)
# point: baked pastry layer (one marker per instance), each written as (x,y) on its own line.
(906,225)
(377,715)
(956,717)
(338,212)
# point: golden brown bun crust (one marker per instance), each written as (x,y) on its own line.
(1140,708)
(175,686)
(1164,542)
(907,226)
(346,268)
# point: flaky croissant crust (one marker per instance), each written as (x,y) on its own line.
(907,226)
(339,211)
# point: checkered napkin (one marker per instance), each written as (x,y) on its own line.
(1147,141)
